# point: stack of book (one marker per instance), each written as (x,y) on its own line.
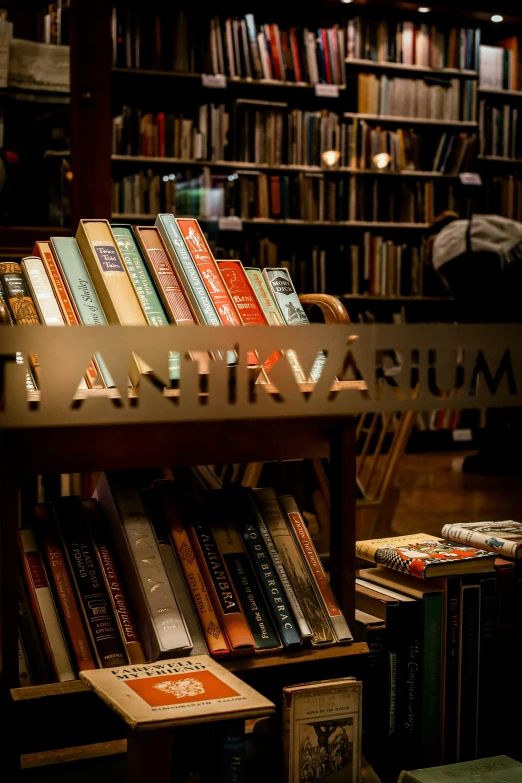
(411,43)
(501,66)
(500,130)
(234,570)
(460,603)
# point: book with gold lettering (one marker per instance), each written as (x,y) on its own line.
(176,692)
(19,303)
(41,291)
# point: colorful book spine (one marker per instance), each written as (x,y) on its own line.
(85,570)
(303,538)
(186,271)
(44,608)
(241,292)
(275,596)
(295,567)
(64,590)
(41,291)
(19,303)
(32,640)
(154,509)
(215,638)
(235,559)
(113,582)
(163,630)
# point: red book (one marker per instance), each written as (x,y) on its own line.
(274,51)
(295,56)
(327,55)
(275,196)
(160,122)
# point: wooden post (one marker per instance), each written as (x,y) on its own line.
(342,517)
(91,63)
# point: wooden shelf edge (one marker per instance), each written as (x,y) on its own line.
(79,753)
(230,79)
(291,222)
(412,120)
(412,68)
(52,689)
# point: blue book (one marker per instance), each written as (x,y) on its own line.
(321,61)
(231,740)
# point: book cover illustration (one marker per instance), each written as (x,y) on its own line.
(505,537)
(176,691)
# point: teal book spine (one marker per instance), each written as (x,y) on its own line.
(144,286)
(431,679)
(232,742)
(82,291)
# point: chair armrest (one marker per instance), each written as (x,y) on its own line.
(333,310)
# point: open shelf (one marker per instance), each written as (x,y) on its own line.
(366,224)
(389,118)
(498,92)
(419,70)
(499,159)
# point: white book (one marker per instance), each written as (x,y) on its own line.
(41,291)
(263,53)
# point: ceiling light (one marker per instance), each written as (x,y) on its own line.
(346,1)
(497,18)
(381,160)
(424,9)
(331,157)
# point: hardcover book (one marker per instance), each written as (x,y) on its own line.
(504,538)
(490,770)
(176,692)
(24,673)
(322,731)
(425,556)
(162,627)
(241,292)
(41,291)
(19,303)
(32,640)
(295,566)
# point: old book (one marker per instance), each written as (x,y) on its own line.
(19,303)
(224,598)
(32,641)
(425,556)
(41,291)
(209,272)
(117,593)
(240,508)
(176,692)
(156,516)
(468,688)
(372,630)
(90,586)
(241,292)
(211,625)
(64,590)
(295,567)
(231,740)
(490,770)
(504,538)
(235,559)
(24,673)
(322,730)
(162,627)
(44,608)
(310,556)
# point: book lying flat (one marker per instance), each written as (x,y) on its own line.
(425,556)
(504,538)
(176,692)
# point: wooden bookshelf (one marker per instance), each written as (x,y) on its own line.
(419,70)
(390,118)
(499,159)
(394,298)
(366,224)
(500,93)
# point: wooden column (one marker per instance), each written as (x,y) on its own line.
(342,517)
(91,63)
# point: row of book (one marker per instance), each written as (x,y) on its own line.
(412,44)
(434,98)
(502,196)
(276,135)
(500,130)
(234,572)
(53,23)
(441,619)
(501,65)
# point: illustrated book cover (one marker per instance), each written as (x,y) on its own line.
(504,538)
(490,770)
(178,691)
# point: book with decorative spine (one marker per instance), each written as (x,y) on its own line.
(424,556)
(322,730)
(504,538)
(44,607)
(64,590)
(90,586)
(162,627)
(19,303)
(302,583)
(210,623)
(113,582)
(241,292)
(41,291)
(310,556)
(176,692)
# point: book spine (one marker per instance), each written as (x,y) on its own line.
(431,680)
(469,668)
(41,292)
(88,580)
(113,583)
(173,570)
(24,673)
(479,540)
(488,659)
(237,564)
(44,607)
(17,296)
(64,589)
(241,293)
(215,638)
(232,743)
(375,680)
(295,567)
(32,641)
(329,603)
(187,271)
(452,667)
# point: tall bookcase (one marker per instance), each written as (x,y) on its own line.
(229,434)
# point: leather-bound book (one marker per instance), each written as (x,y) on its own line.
(32,641)
(19,302)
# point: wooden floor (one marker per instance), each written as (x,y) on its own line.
(434,491)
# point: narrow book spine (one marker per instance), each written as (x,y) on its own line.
(215,638)
(339,624)
(469,669)
(32,640)
(232,743)
(24,673)
(64,589)
(452,667)
(235,558)
(431,679)
(41,292)
(20,305)
(44,607)
(113,583)
(85,571)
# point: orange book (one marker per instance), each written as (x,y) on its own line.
(210,624)
(64,589)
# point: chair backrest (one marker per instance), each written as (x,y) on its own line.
(381,439)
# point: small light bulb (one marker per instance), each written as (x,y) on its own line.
(497,18)
(424,9)
(346,1)
(165,178)
(172,176)
(381,160)
(331,157)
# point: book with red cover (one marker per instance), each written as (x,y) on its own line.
(274,50)
(327,55)
(294,46)
(64,589)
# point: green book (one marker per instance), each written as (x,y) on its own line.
(490,770)
(82,291)
(144,286)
